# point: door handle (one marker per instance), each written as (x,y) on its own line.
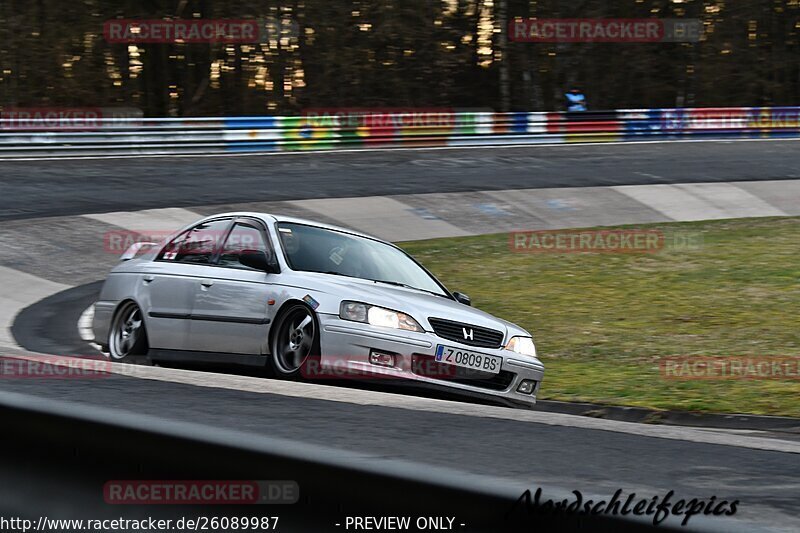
(207,282)
(148,278)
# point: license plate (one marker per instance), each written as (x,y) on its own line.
(467,359)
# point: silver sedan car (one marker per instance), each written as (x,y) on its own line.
(308,301)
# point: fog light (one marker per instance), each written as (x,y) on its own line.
(526,386)
(381,359)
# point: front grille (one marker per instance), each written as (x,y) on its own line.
(454,331)
(428,366)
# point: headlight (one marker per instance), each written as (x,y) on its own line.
(522,345)
(377,316)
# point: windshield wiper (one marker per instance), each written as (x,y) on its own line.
(331,272)
(399,284)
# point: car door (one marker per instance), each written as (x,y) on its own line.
(170,282)
(232,310)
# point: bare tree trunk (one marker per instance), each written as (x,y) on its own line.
(501,14)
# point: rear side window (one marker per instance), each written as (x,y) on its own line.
(197,245)
(242,237)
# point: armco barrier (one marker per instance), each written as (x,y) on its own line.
(61,456)
(384,130)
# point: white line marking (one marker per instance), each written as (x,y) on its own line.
(648,175)
(85,324)
(415,149)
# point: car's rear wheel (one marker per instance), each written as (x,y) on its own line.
(127,339)
(295,341)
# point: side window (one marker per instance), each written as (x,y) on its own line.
(243,236)
(197,245)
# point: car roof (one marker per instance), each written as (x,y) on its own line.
(271,218)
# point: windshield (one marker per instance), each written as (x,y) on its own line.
(314,249)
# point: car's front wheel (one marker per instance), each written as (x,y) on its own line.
(127,340)
(295,341)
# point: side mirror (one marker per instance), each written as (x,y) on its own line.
(257,259)
(462,298)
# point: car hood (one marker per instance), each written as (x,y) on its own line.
(420,305)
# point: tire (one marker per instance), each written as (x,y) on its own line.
(295,341)
(127,337)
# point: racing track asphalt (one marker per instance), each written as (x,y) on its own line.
(69,187)
(599,461)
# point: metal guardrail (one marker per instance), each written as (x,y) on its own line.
(117,136)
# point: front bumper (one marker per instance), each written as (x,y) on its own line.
(346,347)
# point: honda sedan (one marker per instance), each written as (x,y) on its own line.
(307,301)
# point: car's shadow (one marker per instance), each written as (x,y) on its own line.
(407,388)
